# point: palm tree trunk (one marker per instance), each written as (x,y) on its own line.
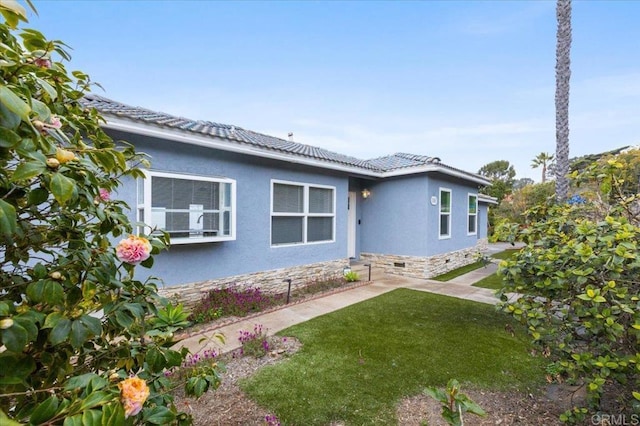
(563,75)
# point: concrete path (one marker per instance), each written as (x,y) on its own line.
(272,322)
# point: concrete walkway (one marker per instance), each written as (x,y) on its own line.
(272,322)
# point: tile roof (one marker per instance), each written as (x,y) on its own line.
(238,135)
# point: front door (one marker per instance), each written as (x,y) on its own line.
(351,226)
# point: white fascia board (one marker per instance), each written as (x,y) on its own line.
(215,142)
(435,168)
(222,144)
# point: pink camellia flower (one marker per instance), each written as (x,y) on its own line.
(134,392)
(133,250)
(105,195)
(54,122)
(43,62)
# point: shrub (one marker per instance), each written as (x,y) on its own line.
(579,277)
(84,341)
(232,302)
(351,276)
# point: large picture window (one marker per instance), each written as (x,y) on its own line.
(472,215)
(301,213)
(192,209)
(445,213)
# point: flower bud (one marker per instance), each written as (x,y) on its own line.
(55,275)
(6,323)
(53,163)
(64,156)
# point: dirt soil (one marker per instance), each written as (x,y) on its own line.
(229,406)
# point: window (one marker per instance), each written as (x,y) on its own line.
(445,213)
(192,209)
(301,213)
(472,214)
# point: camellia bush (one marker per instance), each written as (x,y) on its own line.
(82,342)
(579,281)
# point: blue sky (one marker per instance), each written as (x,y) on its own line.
(468,81)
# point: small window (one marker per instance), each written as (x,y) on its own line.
(192,209)
(472,215)
(445,213)
(301,213)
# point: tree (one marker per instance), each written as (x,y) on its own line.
(83,341)
(502,176)
(522,182)
(563,76)
(543,159)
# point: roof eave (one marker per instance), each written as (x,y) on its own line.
(435,168)
(116,122)
(216,142)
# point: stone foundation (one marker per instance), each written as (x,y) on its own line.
(271,281)
(425,267)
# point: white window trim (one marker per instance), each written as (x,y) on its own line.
(304,214)
(475,215)
(146,204)
(440,214)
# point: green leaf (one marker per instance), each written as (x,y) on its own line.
(14,338)
(41,110)
(155,360)
(45,410)
(29,325)
(28,170)
(8,119)
(4,309)
(159,416)
(79,334)
(19,367)
(51,91)
(37,196)
(8,219)
(73,420)
(52,319)
(14,103)
(95,399)
(112,414)
(6,421)
(8,138)
(93,324)
(92,417)
(60,332)
(636,395)
(62,188)
(79,382)
(46,291)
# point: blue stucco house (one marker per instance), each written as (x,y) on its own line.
(244,208)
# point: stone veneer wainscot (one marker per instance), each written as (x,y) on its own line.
(425,267)
(271,282)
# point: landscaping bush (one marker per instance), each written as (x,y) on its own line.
(82,340)
(580,281)
(230,301)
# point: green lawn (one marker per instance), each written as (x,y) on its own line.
(494,281)
(357,363)
(473,266)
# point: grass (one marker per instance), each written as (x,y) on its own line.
(357,363)
(494,281)
(506,254)
(459,271)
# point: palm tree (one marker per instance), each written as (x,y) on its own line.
(543,159)
(563,75)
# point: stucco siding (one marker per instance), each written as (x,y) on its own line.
(251,251)
(459,237)
(393,217)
